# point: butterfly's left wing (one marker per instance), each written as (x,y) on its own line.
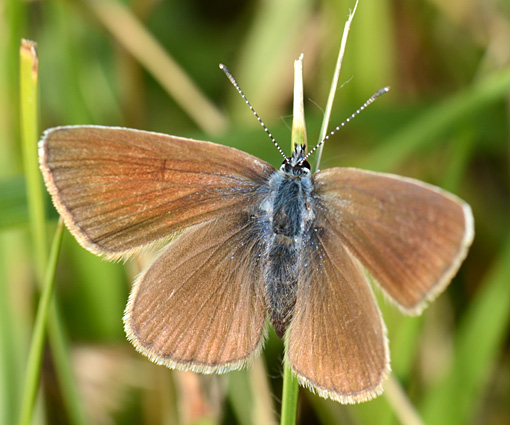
(336,343)
(410,236)
(120,189)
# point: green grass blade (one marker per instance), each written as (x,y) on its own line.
(334,85)
(30,134)
(289,396)
(37,344)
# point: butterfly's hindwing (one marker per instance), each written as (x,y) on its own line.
(200,306)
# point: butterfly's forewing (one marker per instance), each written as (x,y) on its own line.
(119,189)
(200,306)
(411,237)
(336,343)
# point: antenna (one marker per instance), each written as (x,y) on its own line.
(234,83)
(368,102)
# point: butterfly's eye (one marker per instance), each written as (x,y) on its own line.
(305,164)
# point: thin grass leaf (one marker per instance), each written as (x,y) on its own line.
(334,85)
(289,396)
(37,344)
(30,134)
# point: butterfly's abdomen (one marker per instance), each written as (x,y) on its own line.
(288,209)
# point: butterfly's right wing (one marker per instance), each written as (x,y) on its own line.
(200,306)
(119,189)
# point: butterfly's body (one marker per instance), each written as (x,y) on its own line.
(285,218)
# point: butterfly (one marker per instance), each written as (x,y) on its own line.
(253,244)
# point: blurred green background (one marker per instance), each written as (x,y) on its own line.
(153,65)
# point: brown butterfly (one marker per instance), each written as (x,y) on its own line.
(252,243)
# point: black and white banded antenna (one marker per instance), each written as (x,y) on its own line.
(234,83)
(368,102)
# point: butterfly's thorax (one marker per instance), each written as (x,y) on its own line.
(288,212)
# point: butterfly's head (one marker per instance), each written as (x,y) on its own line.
(296,165)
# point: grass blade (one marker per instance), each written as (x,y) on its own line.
(37,344)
